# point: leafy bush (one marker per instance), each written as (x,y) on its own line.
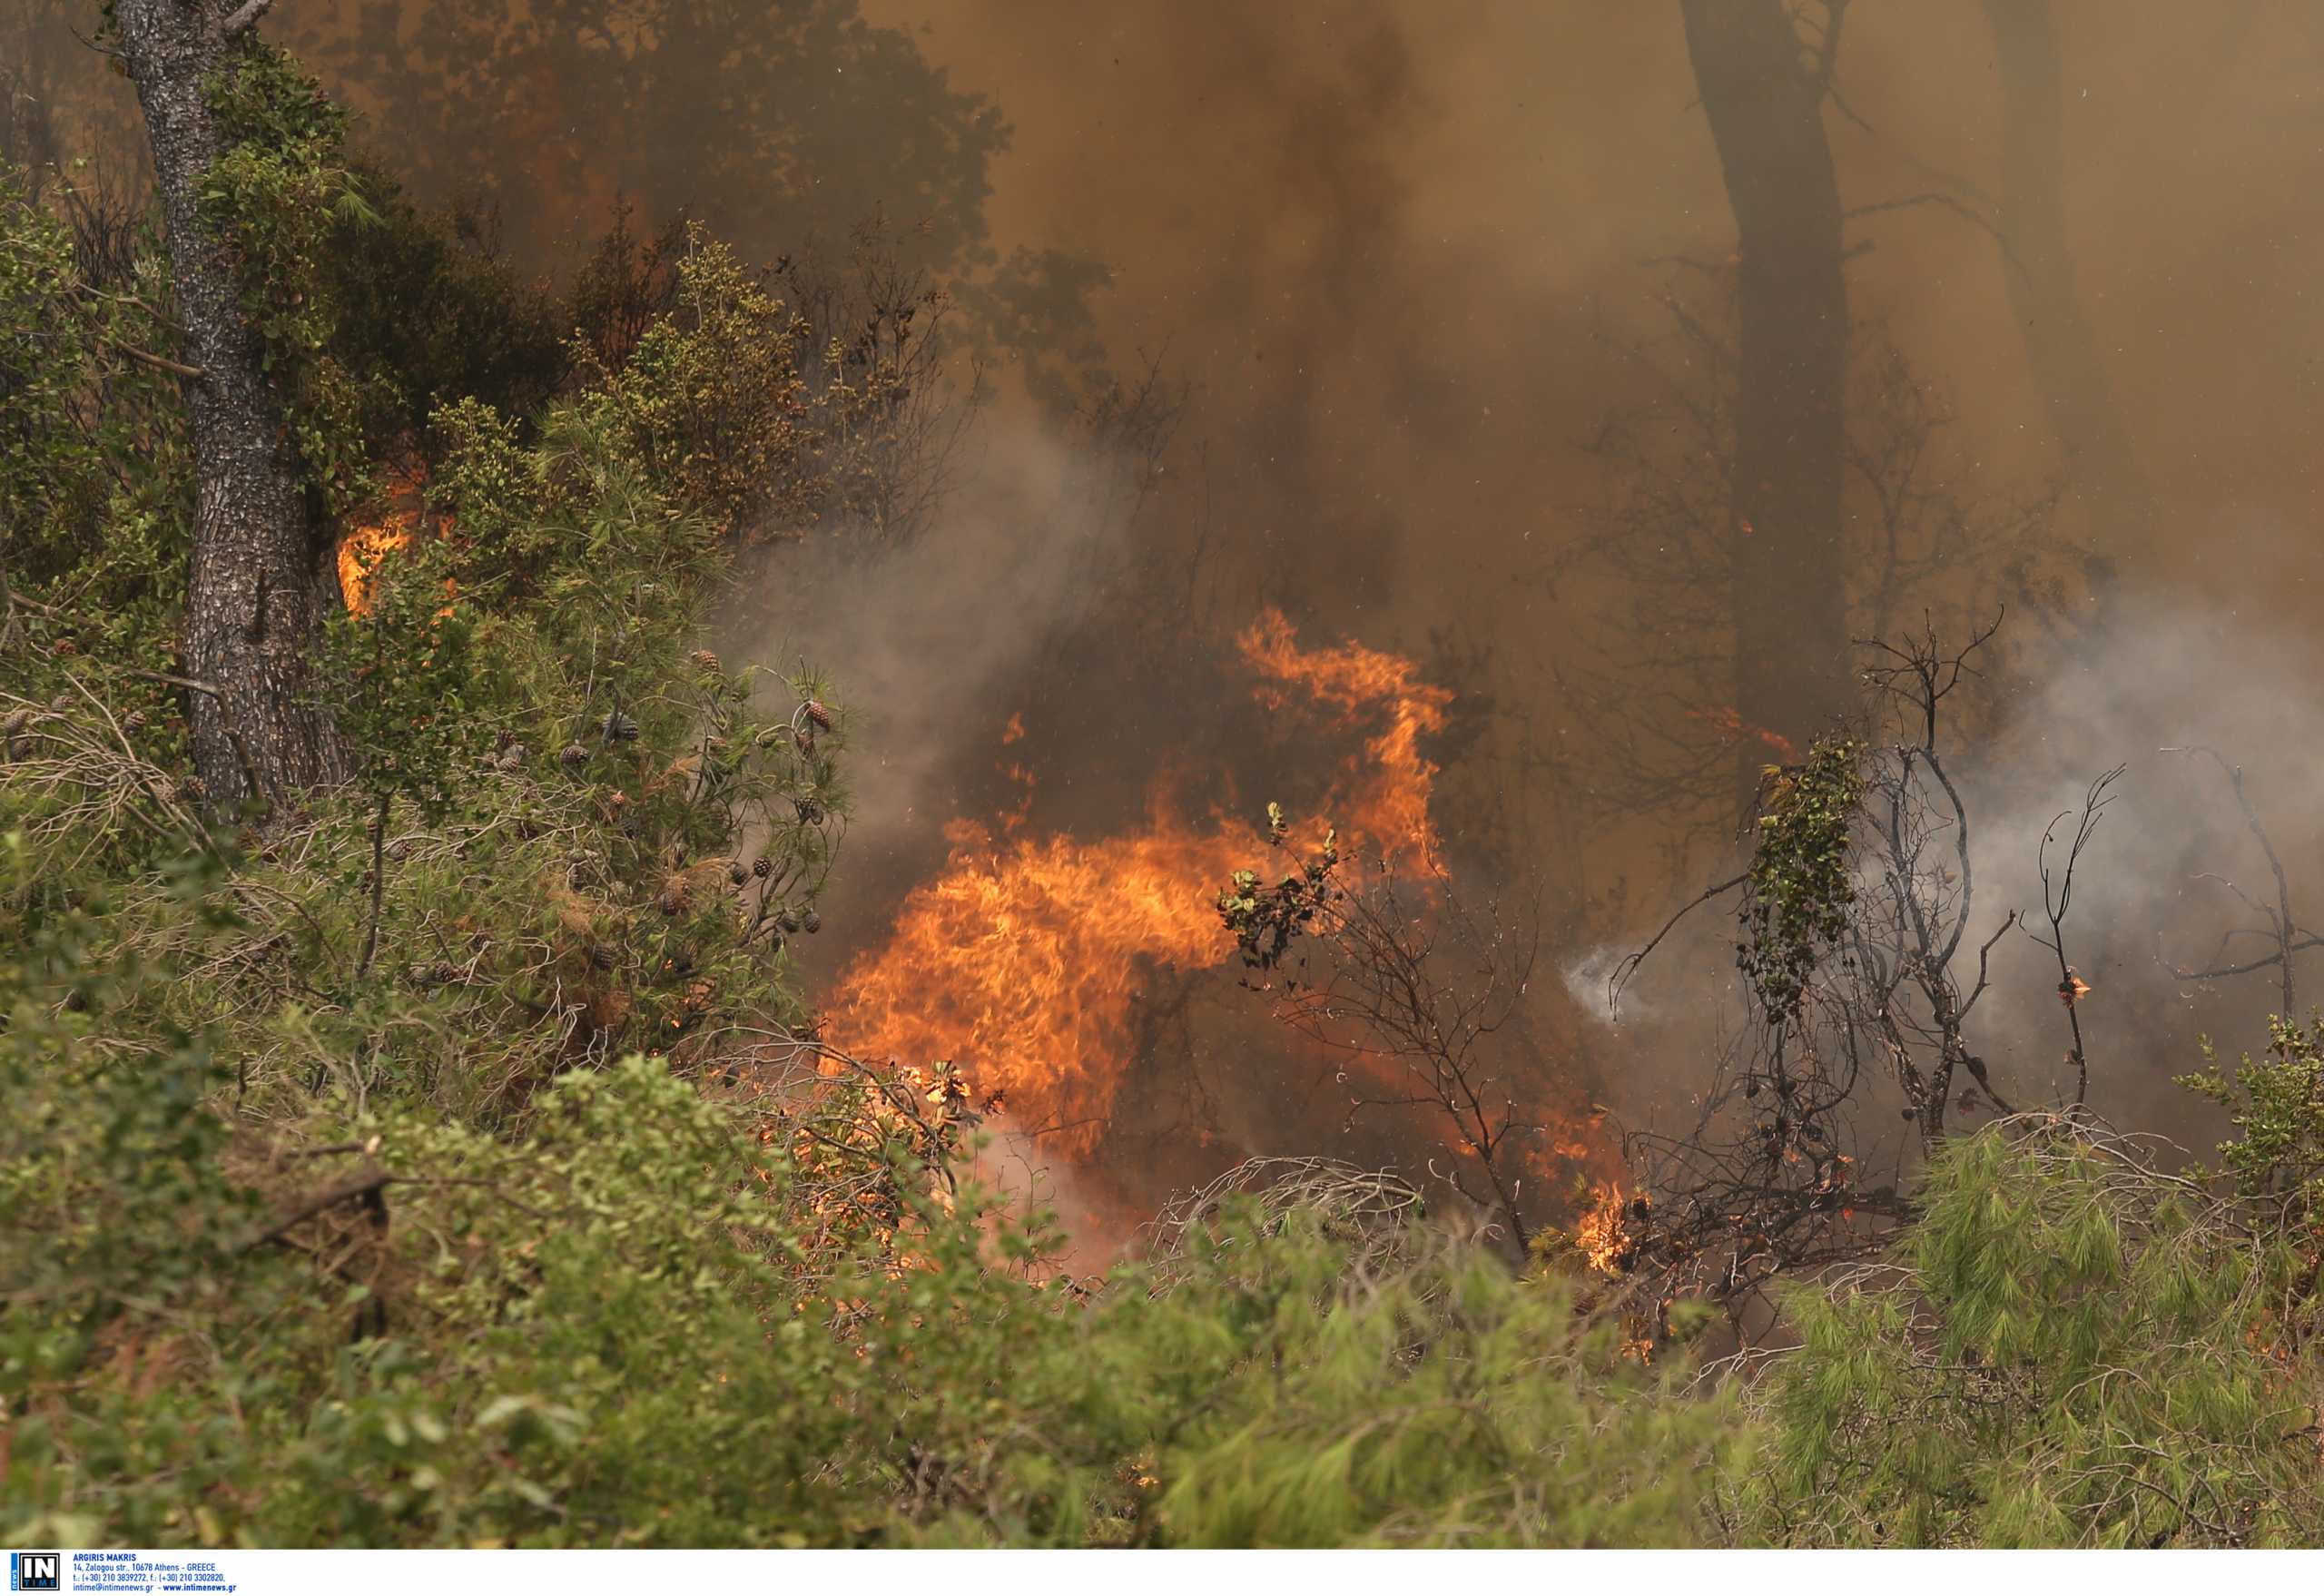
(94,463)
(2068,1349)
(1799,889)
(710,402)
(2276,1104)
(620,1332)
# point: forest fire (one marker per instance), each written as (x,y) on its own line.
(1600,1234)
(1388,804)
(1021,961)
(364,548)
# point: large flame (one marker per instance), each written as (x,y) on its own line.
(1021,961)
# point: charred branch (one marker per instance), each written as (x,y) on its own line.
(2057,901)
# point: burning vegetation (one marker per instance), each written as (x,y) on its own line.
(419,1128)
(1022,961)
(367,548)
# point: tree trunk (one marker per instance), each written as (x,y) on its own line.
(1766,109)
(2102,467)
(254,591)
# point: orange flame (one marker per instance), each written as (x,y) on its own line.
(1736,729)
(1021,962)
(364,549)
(1599,1234)
(1390,807)
(1021,958)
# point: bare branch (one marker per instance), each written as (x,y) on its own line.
(2285,927)
(365,1189)
(246,18)
(1629,967)
(159,362)
(2057,901)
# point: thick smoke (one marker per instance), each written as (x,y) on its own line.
(1400,265)
(2174,877)
(2175,867)
(931,640)
(1401,259)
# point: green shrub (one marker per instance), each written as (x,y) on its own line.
(1798,891)
(2067,1349)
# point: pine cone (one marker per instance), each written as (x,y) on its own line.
(761,867)
(573,756)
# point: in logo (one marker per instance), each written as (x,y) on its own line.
(35,1571)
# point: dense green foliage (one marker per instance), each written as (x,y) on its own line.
(2276,1104)
(2067,1349)
(631,1329)
(409,1180)
(95,474)
(1799,887)
(454,1162)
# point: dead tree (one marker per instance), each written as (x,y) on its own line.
(1784,1167)
(1920,896)
(1654,684)
(257,585)
(2057,901)
(2277,922)
(1786,491)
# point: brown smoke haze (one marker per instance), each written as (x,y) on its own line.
(1406,263)
(1401,256)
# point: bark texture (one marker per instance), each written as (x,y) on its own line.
(1765,106)
(255,590)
